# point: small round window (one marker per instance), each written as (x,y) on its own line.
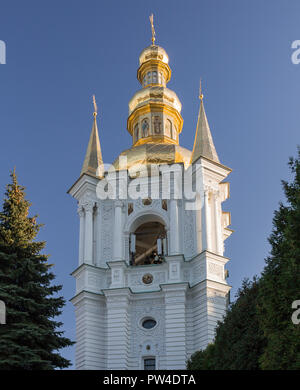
(149,323)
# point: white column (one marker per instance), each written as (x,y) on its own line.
(118,229)
(99,236)
(175,326)
(165,246)
(206,222)
(95,233)
(132,243)
(117,341)
(218,224)
(90,312)
(81,234)
(88,244)
(174,227)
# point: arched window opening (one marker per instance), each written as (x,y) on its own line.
(174,133)
(168,130)
(148,244)
(145,128)
(154,77)
(156,124)
(136,132)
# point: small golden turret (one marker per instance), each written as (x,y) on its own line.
(93,162)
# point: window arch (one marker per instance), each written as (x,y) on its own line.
(157,124)
(174,132)
(148,77)
(148,243)
(136,132)
(154,77)
(168,129)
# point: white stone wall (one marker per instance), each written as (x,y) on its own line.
(187,296)
(90,332)
(118,329)
(147,342)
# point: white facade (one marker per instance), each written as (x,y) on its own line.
(133,313)
(187,296)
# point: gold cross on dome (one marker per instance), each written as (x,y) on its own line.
(200,91)
(95,106)
(152,28)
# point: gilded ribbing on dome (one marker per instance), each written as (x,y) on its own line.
(203,144)
(93,163)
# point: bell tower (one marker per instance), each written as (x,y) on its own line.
(151,280)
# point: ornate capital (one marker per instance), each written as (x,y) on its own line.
(80,212)
(88,207)
(206,191)
(216,193)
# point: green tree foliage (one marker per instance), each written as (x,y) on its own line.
(203,360)
(239,341)
(257,331)
(280,282)
(30,340)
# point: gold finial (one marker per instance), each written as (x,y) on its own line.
(152,28)
(95,106)
(200,91)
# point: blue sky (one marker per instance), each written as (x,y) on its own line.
(59,53)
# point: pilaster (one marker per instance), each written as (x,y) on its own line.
(218,223)
(90,331)
(118,337)
(175,322)
(174,227)
(88,245)
(81,234)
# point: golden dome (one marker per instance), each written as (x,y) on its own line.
(154,52)
(154,153)
(156,94)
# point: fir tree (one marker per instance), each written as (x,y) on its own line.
(31,339)
(203,359)
(280,281)
(239,340)
(258,331)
